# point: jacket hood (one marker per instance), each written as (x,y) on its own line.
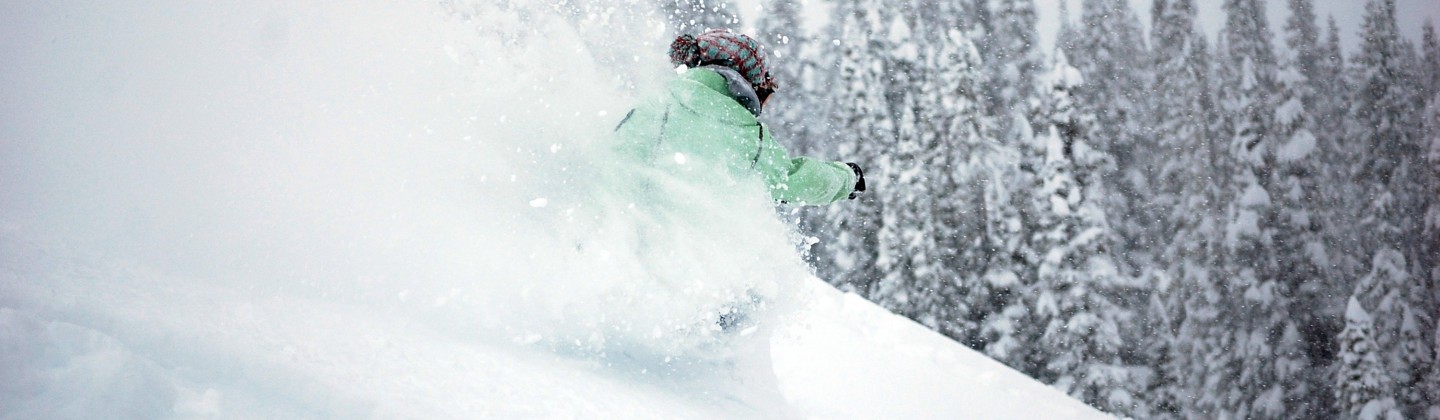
(726,85)
(739,88)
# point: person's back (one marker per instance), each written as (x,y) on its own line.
(691,191)
(704,129)
(696,175)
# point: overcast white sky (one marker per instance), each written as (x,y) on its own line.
(1348,15)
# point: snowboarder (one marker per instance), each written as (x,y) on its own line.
(708,120)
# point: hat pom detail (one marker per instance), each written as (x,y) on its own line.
(685,50)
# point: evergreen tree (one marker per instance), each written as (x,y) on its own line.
(1186,186)
(906,240)
(1432,388)
(1332,59)
(1066,39)
(1012,61)
(1337,148)
(1381,124)
(1110,52)
(1362,388)
(790,112)
(1330,79)
(1247,74)
(1386,123)
(941,97)
(1259,353)
(1304,241)
(1075,275)
(1400,334)
(1299,246)
(1432,230)
(1430,139)
(951,127)
(1165,393)
(935,97)
(1014,107)
(864,133)
(1430,44)
(993,221)
(1302,35)
(1304,173)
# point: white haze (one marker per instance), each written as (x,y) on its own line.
(442,161)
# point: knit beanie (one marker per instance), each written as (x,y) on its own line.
(729,49)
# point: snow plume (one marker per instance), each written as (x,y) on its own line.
(443,162)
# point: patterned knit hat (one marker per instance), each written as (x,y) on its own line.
(729,49)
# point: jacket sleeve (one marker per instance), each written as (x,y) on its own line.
(803,180)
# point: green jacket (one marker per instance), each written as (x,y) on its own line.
(697,125)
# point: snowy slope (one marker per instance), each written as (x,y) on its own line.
(271,209)
(87,339)
(847,358)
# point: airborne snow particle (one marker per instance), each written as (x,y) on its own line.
(539,202)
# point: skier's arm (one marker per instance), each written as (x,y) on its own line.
(804,180)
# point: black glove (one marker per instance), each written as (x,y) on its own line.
(859,180)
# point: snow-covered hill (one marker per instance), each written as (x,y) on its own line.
(97,339)
(270,209)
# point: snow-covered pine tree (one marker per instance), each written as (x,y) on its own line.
(1383,127)
(1332,119)
(1330,84)
(1299,246)
(953,124)
(1247,72)
(695,16)
(1432,230)
(1302,35)
(1260,354)
(1332,67)
(1076,278)
(1401,331)
(906,240)
(863,133)
(1186,185)
(1066,38)
(1012,61)
(1000,247)
(1427,264)
(1014,106)
(1331,57)
(1309,58)
(1432,387)
(1164,395)
(975,22)
(1386,123)
(791,111)
(995,205)
(947,125)
(1110,52)
(1430,52)
(1430,141)
(1318,308)
(1362,387)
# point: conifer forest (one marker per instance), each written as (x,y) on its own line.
(1161,223)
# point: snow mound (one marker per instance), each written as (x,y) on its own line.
(46,366)
(159,345)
